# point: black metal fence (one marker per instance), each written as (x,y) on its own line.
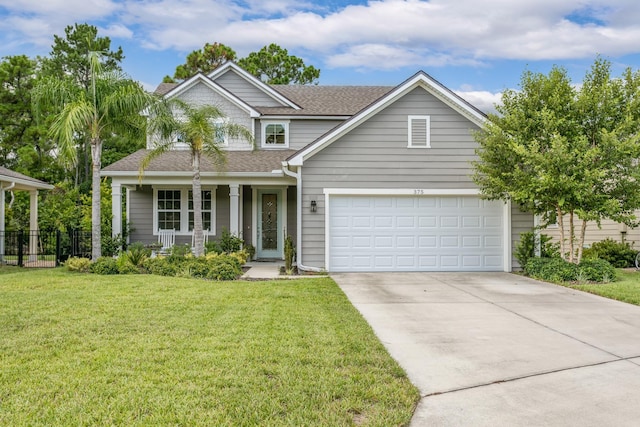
(43,248)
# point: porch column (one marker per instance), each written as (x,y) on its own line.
(1,223)
(234,209)
(116,209)
(33,225)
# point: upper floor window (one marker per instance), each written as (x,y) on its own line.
(180,141)
(275,134)
(419,132)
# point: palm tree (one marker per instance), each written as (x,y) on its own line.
(110,105)
(202,128)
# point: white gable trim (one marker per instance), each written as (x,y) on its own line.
(201,78)
(250,78)
(420,79)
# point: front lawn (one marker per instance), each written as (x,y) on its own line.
(80,349)
(626,288)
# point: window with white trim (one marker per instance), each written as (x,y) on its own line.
(173,209)
(275,134)
(220,137)
(168,208)
(419,131)
(206,209)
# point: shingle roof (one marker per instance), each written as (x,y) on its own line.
(315,100)
(9,175)
(180,161)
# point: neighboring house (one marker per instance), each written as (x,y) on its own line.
(608,229)
(14,181)
(363,178)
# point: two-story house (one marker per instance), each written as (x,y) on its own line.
(363,178)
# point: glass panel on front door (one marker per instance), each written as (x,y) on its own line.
(269,222)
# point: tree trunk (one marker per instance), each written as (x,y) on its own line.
(572,238)
(197,206)
(583,232)
(96,222)
(560,220)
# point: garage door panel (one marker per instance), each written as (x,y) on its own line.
(424,233)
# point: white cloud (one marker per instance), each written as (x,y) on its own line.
(483,100)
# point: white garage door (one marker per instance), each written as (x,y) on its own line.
(415,233)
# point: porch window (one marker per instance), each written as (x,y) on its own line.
(173,210)
(419,131)
(206,210)
(275,134)
(169,211)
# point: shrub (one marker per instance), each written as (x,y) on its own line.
(229,243)
(79,265)
(618,254)
(551,269)
(160,266)
(597,270)
(289,254)
(526,247)
(137,253)
(104,265)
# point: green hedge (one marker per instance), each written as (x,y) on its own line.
(560,271)
(618,254)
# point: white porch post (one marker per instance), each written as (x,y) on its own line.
(116,209)
(234,209)
(1,223)
(33,225)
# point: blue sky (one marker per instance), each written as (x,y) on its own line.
(475,47)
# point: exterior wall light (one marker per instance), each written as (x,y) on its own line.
(314,206)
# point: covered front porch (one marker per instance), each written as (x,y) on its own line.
(14,181)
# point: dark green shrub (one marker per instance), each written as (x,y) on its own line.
(526,248)
(160,266)
(596,270)
(137,253)
(618,254)
(289,254)
(221,267)
(104,265)
(79,265)
(229,243)
(551,269)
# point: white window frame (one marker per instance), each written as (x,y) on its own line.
(263,126)
(179,145)
(213,219)
(422,143)
(184,209)
(157,211)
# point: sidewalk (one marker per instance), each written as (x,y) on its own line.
(263,270)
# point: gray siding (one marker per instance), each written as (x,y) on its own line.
(247,212)
(141,214)
(301,132)
(200,94)
(246,91)
(222,209)
(521,222)
(292,228)
(375,155)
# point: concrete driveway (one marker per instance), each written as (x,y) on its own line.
(496,349)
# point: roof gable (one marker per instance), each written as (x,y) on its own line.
(231,66)
(201,78)
(22,182)
(420,79)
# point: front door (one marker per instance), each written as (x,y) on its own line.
(269,224)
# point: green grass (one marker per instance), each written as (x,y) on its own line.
(147,350)
(626,288)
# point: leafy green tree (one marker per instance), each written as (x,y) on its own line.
(23,146)
(204,60)
(203,129)
(110,105)
(565,153)
(273,65)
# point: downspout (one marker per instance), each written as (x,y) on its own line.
(298,177)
